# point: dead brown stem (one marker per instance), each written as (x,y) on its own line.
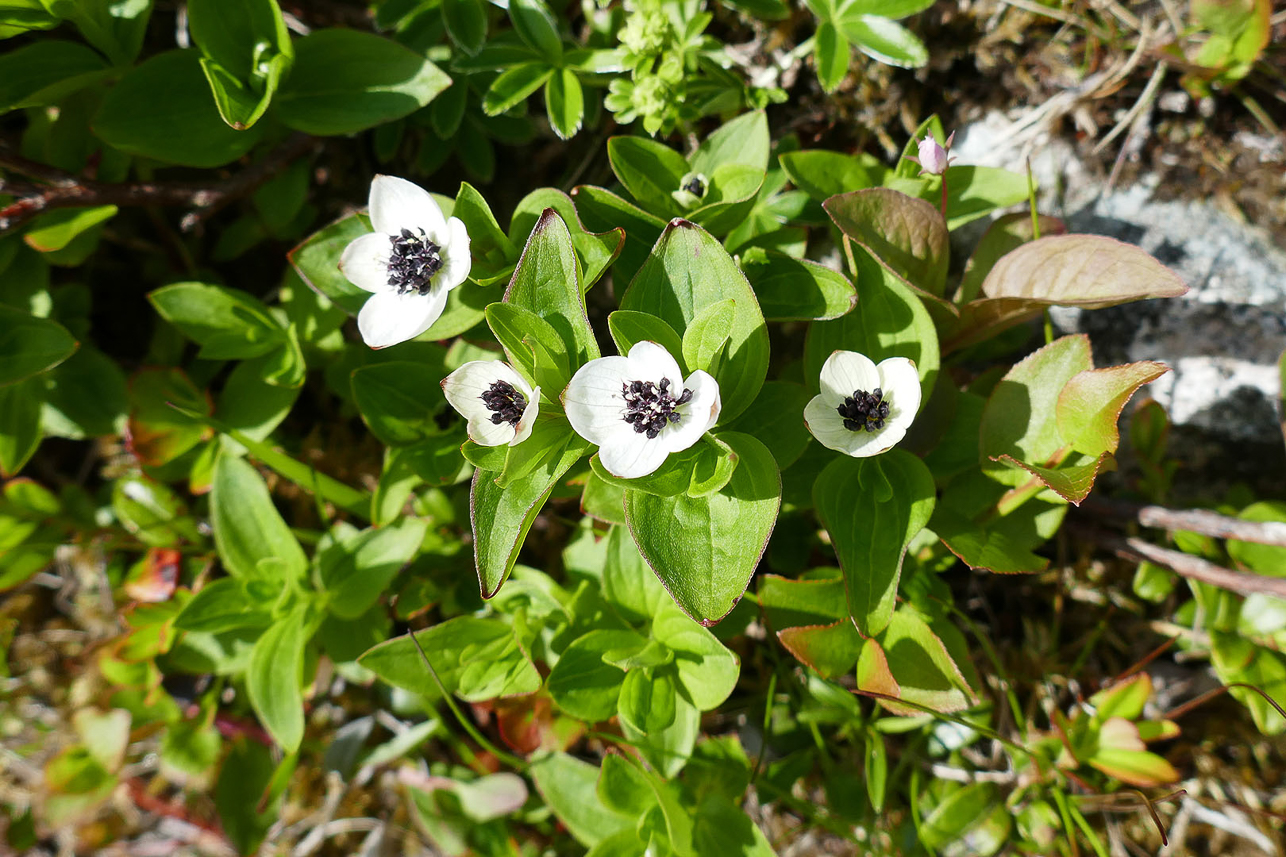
(53,188)
(1196,568)
(1193,520)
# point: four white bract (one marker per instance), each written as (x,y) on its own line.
(497,402)
(409,263)
(639,408)
(863,409)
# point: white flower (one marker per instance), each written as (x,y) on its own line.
(932,156)
(863,409)
(639,408)
(409,263)
(496,401)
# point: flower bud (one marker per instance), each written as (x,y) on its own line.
(933,157)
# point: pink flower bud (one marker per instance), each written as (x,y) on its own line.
(933,157)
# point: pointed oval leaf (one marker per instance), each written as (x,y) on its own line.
(872,507)
(272,680)
(706,549)
(689,271)
(906,235)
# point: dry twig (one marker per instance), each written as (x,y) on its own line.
(1192,520)
(53,188)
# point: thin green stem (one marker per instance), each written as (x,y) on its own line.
(482,741)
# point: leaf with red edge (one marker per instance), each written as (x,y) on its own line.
(1091,403)
(1005,235)
(907,655)
(831,650)
(154,578)
(1072,483)
(157,433)
(1088,271)
(907,235)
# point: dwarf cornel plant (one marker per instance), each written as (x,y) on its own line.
(670,478)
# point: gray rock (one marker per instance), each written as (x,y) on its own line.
(1223,339)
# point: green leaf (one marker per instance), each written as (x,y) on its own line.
(872,508)
(701,469)
(356,570)
(585,685)
(316,262)
(650,171)
(166,412)
(400,400)
(45,72)
(550,433)
(476,659)
(54,230)
(1091,403)
(227,604)
(565,103)
(227,323)
(536,26)
(832,54)
(885,40)
(345,81)
(163,109)
(247,526)
(86,396)
(466,23)
(487,241)
(628,582)
(252,406)
(246,50)
(597,251)
(1020,417)
(687,272)
(30,345)
(705,342)
(273,679)
(822,174)
(532,345)
(775,418)
(629,328)
(793,289)
(647,701)
(239,34)
(239,104)
(892,9)
(792,603)
(247,770)
(705,549)
(972,192)
(919,665)
(832,650)
(1261,559)
(547,283)
(1072,482)
(1004,543)
(743,141)
(892,322)
(514,85)
(508,513)
(906,235)
(963,816)
(603,210)
(20,432)
(115,28)
(707,670)
(569,787)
